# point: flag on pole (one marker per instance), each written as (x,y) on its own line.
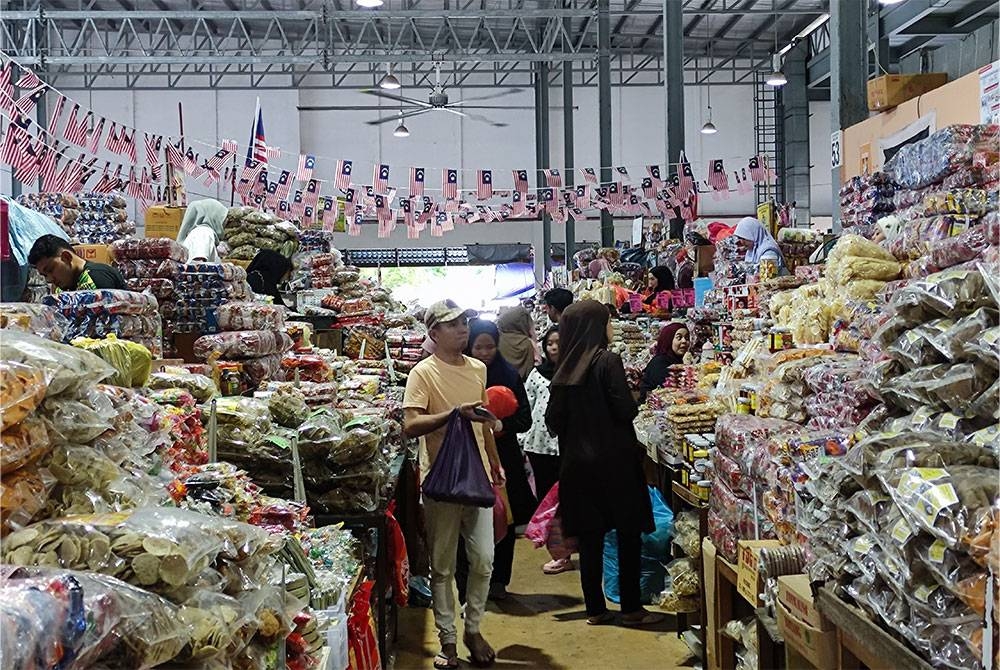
(521,181)
(553,178)
(257,148)
(717,178)
(589,175)
(380,179)
(449,184)
(484,184)
(417,178)
(307,163)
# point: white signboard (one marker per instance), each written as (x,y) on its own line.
(836,154)
(989,93)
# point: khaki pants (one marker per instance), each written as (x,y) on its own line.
(445,522)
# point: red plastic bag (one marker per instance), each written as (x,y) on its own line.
(545,527)
(362,642)
(502,516)
(398,557)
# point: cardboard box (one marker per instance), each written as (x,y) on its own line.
(795,593)
(98,253)
(892,90)
(748,567)
(816,646)
(162,221)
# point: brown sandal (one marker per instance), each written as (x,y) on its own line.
(605,617)
(642,617)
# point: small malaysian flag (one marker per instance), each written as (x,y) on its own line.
(758,171)
(95,137)
(717,178)
(350,205)
(12,145)
(217,161)
(272,153)
(174,156)
(76,131)
(449,184)
(517,204)
(426,210)
(284,184)
(232,146)
(380,179)
(6,86)
(445,221)
(307,163)
(743,184)
(154,143)
(589,175)
(484,184)
(655,176)
(582,195)
(685,181)
(27,103)
(417,178)
(29,163)
(308,216)
(622,172)
(553,178)
(407,206)
(251,172)
(311,196)
(343,178)
(546,197)
(56,113)
(104,183)
(297,204)
(126,140)
(521,181)
(112,143)
(29,79)
(211,176)
(648,190)
(48,166)
(615,194)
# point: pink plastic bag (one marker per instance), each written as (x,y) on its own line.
(545,527)
(502,517)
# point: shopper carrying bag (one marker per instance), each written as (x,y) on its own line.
(457,475)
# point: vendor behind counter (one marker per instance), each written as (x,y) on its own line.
(55,259)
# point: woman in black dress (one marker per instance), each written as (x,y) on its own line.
(601,484)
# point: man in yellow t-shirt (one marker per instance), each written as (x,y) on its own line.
(438,385)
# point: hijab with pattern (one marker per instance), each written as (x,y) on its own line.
(516,343)
(583,332)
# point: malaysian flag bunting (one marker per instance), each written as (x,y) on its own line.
(743,184)
(217,161)
(582,195)
(126,138)
(354,227)
(104,183)
(553,178)
(425,211)
(111,144)
(284,184)
(174,156)
(484,184)
(29,79)
(622,172)
(75,131)
(758,169)
(297,204)
(343,178)
(589,175)
(271,201)
(29,163)
(154,143)
(273,153)
(95,136)
(615,194)
(307,163)
(308,215)
(449,184)
(648,190)
(12,143)
(311,196)
(569,198)
(380,179)
(517,203)
(444,220)
(211,176)
(655,176)
(521,181)
(418,177)
(48,166)
(717,178)
(56,113)
(546,197)
(232,146)
(407,206)
(6,86)
(453,205)
(27,103)
(350,206)
(685,183)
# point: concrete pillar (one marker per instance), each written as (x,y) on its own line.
(795,102)
(604,111)
(568,158)
(542,162)
(848,77)
(673,79)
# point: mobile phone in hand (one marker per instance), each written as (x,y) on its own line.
(483,412)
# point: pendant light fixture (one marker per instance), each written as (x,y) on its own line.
(889,2)
(401,130)
(709,127)
(369,4)
(389,81)
(777,77)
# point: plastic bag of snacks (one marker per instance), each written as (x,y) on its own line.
(66,369)
(948,293)
(132,361)
(41,320)
(951,341)
(105,301)
(288,407)
(150,268)
(250,316)
(22,388)
(242,344)
(149,248)
(23,443)
(200,386)
(23,494)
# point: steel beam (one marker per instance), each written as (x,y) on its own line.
(542,162)
(795,103)
(604,112)
(848,77)
(568,151)
(673,79)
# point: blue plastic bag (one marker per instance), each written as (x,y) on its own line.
(655,551)
(457,474)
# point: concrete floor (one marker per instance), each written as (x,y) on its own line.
(543,625)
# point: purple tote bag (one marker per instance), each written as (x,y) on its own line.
(457,475)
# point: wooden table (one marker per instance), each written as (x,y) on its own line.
(863,643)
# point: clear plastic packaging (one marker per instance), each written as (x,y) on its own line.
(104,301)
(242,344)
(149,248)
(288,407)
(131,361)
(959,387)
(684,577)
(65,368)
(951,341)
(984,347)
(250,316)
(23,495)
(150,268)
(950,293)
(200,386)
(41,320)
(22,388)
(23,443)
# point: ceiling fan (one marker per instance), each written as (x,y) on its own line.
(437,101)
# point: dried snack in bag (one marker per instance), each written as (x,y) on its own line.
(987,405)
(951,339)
(23,443)
(79,421)
(949,293)
(23,494)
(131,361)
(149,248)
(320,434)
(914,348)
(200,386)
(984,347)
(288,407)
(242,344)
(64,368)
(684,577)
(954,569)
(22,388)
(250,316)
(959,387)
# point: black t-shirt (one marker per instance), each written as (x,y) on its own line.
(99,275)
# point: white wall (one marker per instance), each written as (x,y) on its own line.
(820,189)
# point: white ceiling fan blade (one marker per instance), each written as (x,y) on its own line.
(347,108)
(490,96)
(399,117)
(397,98)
